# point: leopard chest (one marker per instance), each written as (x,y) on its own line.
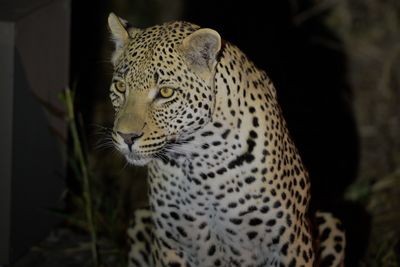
(228,216)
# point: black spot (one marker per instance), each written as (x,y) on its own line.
(338,238)
(236,221)
(217,124)
(232,205)
(296,169)
(251,144)
(189,218)
(291,238)
(338,248)
(284,249)
(251,235)
(264,209)
(305,239)
(160,202)
(325,234)
(320,220)
(203,176)
(169,235)
(277,204)
(255,221)
(245,157)
(226,133)
(202,225)
(327,261)
(275,240)
(230,231)
(253,134)
(174,264)
(220,196)
(181,231)
(208,133)
(174,215)
(302,184)
(235,251)
(221,171)
(292,263)
(249,210)
(249,179)
(288,220)
(273,192)
(339,226)
(305,256)
(205,146)
(271,222)
(196,181)
(140,236)
(211,250)
(255,122)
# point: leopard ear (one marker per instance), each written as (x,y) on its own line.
(120,34)
(119,30)
(201,49)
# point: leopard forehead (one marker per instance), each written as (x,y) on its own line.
(152,52)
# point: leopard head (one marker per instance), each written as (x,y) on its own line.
(162,87)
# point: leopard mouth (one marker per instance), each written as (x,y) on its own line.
(142,157)
(142,154)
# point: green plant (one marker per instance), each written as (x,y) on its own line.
(82,171)
(93,205)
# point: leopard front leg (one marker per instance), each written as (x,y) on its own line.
(145,249)
(332,239)
(170,258)
(140,238)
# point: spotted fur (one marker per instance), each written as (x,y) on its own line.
(227,185)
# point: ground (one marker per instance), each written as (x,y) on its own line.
(66,248)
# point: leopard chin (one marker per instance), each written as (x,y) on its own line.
(136,160)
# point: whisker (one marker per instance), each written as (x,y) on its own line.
(104,147)
(99,129)
(125,166)
(103,137)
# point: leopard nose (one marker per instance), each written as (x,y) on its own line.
(129,138)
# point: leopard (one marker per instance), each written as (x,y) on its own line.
(227,186)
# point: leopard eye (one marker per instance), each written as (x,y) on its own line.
(166,92)
(120,86)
